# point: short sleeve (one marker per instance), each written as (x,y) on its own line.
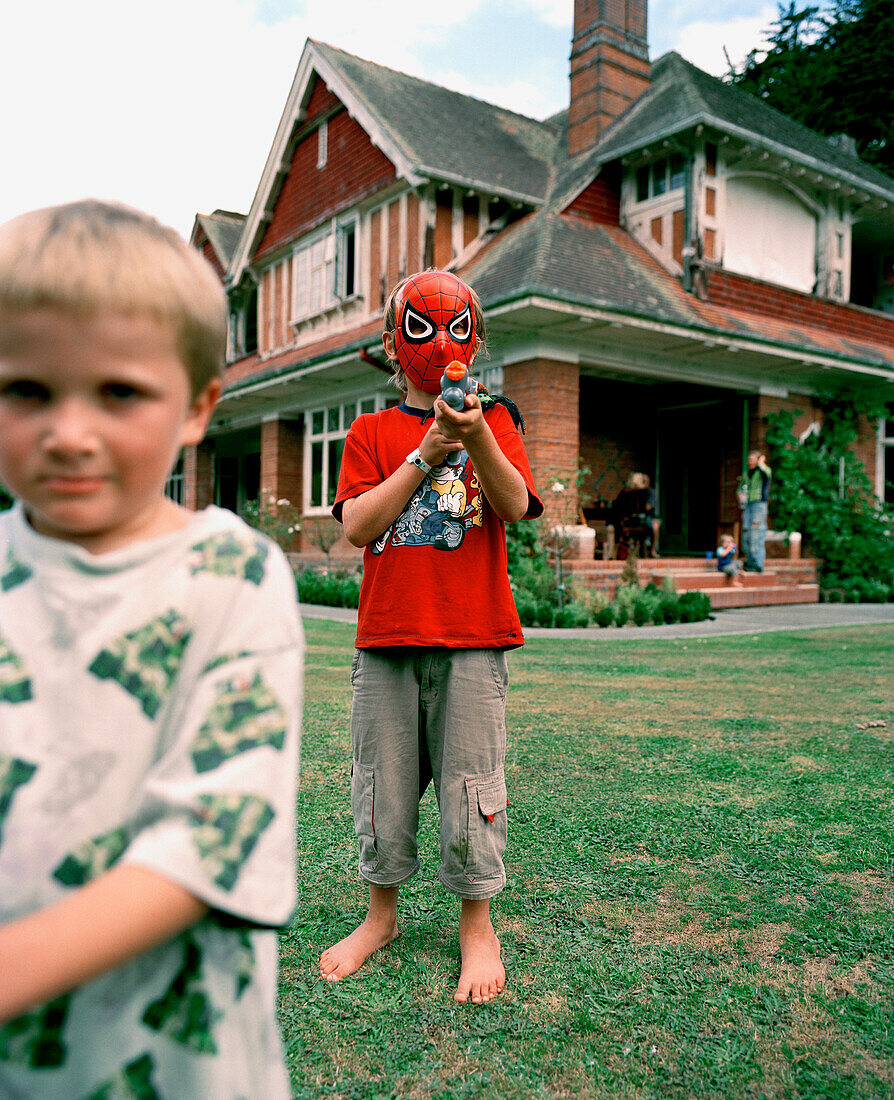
(217,809)
(360,468)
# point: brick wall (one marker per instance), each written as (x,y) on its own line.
(443,252)
(599,202)
(609,66)
(741,292)
(205,247)
(393,271)
(282,457)
(376,298)
(198,476)
(548,394)
(355,168)
(414,245)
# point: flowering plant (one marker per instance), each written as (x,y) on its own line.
(279,519)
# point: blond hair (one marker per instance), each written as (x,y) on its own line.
(90,256)
(398,379)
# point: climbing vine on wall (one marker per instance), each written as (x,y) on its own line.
(821,489)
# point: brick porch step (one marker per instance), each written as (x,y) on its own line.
(705,579)
(769,596)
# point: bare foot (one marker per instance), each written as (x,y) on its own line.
(482,975)
(379,928)
(349,954)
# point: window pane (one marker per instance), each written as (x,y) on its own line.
(316,475)
(349,265)
(642,184)
(332,419)
(677,172)
(317,423)
(336,446)
(368,406)
(659,177)
(347,416)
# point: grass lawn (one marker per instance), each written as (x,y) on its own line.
(700,898)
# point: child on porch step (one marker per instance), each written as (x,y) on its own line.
(427,490)
(727,562)
(150,680)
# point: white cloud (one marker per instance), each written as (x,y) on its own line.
(703,42)
(525,97)
(555,13)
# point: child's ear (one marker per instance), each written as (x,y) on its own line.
(200,409)
(389,346)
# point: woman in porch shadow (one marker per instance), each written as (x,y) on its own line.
(636,517)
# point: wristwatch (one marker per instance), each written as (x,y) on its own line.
(415,459)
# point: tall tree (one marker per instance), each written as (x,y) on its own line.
(830,68)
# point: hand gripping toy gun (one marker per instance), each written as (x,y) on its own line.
(456,382)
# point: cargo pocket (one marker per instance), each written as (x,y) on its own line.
(363,804)
(487,802)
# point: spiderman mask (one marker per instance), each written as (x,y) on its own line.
(434,324)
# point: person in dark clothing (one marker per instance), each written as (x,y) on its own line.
(636,517)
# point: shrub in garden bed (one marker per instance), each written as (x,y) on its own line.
(331,589)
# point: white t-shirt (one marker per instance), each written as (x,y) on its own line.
(150,702)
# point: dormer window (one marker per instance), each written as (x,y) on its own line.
(660,177)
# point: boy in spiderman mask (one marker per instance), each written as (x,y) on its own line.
(436,618)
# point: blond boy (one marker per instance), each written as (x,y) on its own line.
(150,664)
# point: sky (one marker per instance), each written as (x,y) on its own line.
(172,106)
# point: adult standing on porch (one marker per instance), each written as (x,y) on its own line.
(754,495)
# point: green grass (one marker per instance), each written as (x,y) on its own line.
(700,898)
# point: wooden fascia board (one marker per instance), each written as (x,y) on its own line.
(311,62)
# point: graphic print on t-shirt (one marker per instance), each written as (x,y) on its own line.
(440,512)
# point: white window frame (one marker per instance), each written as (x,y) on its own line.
(884,441)
(334,429)
(319,267)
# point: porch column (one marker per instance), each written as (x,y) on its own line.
(198,475)
(548,394)
(282,453)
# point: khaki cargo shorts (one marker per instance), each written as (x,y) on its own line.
(439,714)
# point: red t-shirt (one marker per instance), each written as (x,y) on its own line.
(437,576)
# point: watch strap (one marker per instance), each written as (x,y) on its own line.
(415,459)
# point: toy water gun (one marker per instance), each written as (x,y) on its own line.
(456,382)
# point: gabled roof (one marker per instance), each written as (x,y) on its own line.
(428,132)
(223,229)
(445,135)
(682,96)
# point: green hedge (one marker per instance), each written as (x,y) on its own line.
(335,589)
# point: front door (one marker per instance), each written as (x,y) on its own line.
(689,465)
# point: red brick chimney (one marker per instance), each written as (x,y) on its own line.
(609,66)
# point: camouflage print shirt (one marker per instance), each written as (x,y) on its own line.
(149,710)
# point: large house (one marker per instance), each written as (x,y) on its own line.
(661,265)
